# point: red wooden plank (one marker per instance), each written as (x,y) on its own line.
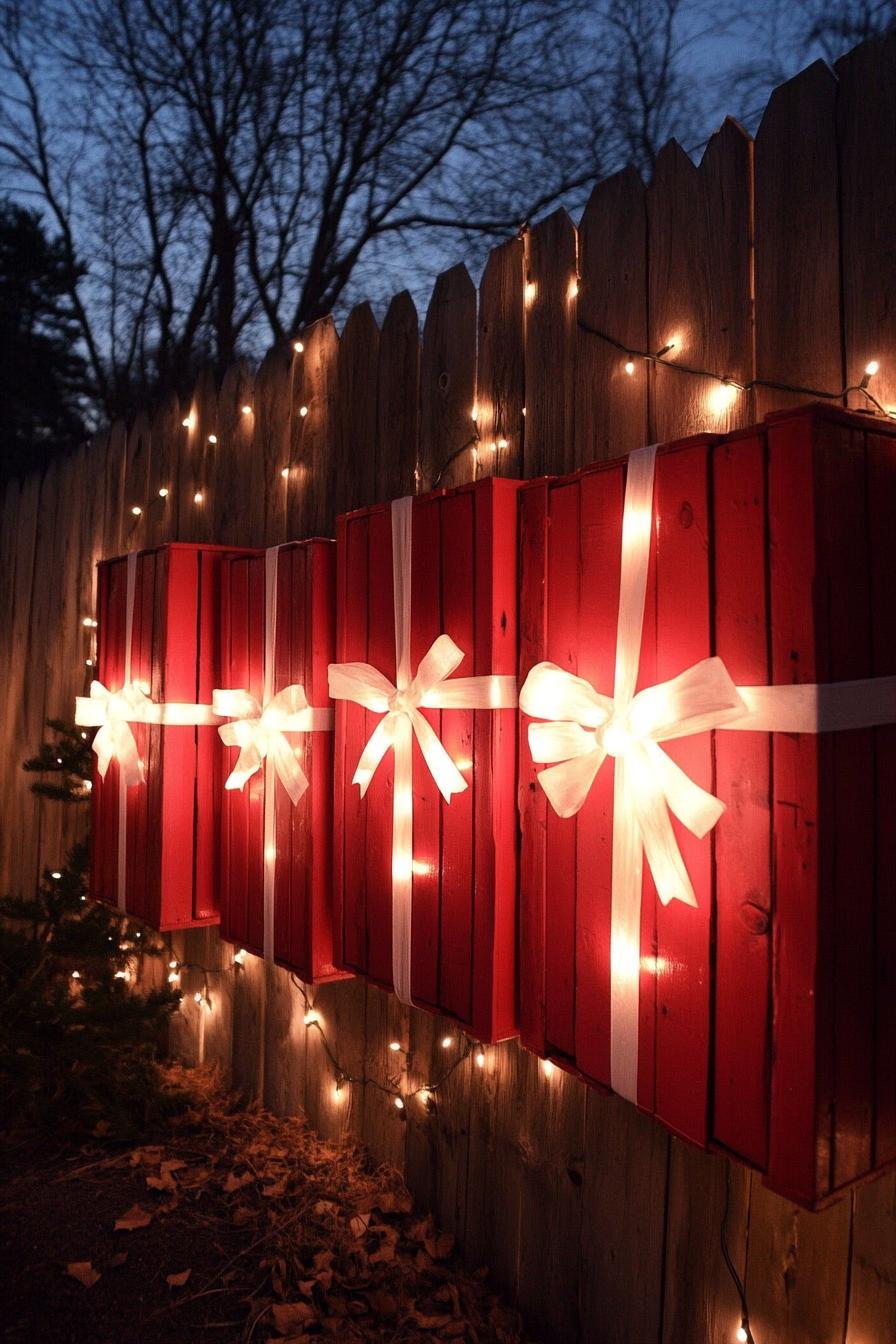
(742,991)
(320,602)
(683,933)
(235,924)
(494,1014)
(843,569)
(599,558)
(181,579)
(355,587)
(649,989)
(208,745)
(426,625)
(254,788)
(142,847)
(881,468)
(456,915)
(801,1085)
(289,835)
(375,860)
(562,649)
(532,802)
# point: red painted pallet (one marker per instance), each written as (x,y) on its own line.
(301,930)
(766,1024)
(170,842)
(464,871)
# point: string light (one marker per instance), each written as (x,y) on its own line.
(742,1333)
(90,623)
(174,977)
(303,411)
(247,409)
(573,289)
(188,421)
(213,438)
(529,293)
(395,1046)
(88,662)
(479,1057)
(474,413)
(239,958)
(311,1017)
(163,493)
(136,510)
(76,975)
(298,347)
(447,1042)
(197,498)
(285,473)
(726,391)
(399,1104)
(547,1067)
(56,876)
(502,443)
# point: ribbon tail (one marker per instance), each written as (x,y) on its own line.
(655,826)
(443,770)
(379,742)
(248,761)
(568,784)
(289,772)
(115,739)
(694,806)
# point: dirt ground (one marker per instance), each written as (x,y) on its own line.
(229,1225)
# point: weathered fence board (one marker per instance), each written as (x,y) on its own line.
(608,1229)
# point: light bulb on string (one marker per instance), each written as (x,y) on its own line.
(547,1067)
(136,510)
(55,876)
(298,347)
(213,438)
(447,1042)
(722,397)
(188,421)
(742,1334)
(395,1046)
(163,493)
(399,1104)
(284,472)
(247,409)
(239,958)
(530,292)
(630,367)
(89,622)
(480,1058)
(311,1017)
(871,368)
(76,975)
(197,498)
(303,411)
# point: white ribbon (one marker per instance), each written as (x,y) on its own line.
(259,732)
(432,687)
(585,727)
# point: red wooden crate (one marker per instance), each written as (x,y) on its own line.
(767,1024)
(464,584)
(304,646)
(172,849)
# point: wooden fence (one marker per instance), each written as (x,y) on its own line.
(773,260)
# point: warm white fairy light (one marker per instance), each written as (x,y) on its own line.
(124,975)
(474,413)
(547,1067)
(722,397)
(573,289)
(56,876)
(173,977)
(502,443)
(76,975)
(213,438)
(303,411)
(530,292)
(298,347)
(197,498)
(88,662)
(136,510)
(163,493)
(447,1042)
(395,1046)
(311,1017)
(90,624)
(188,421)
(247,409)
(399,1104)
(871,368)
(630,367)
(285,473)
(239,958)
(339,1091)
(742,1334)
(479,1057)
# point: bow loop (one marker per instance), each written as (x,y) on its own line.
(259,731)
(112,712)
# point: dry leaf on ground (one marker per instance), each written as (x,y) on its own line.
(178,1280)
(84,1272)
(134,1217)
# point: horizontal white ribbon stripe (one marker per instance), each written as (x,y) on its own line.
(584,727)
(432,687)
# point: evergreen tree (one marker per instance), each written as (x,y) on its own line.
(42,375)
(79,1036)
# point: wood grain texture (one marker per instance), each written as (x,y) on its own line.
(354,462)
(797,260)
(398,400)
(866,114)
(315,468)
(699,284)
(551,286)
(500,377)
(448,381)
(872,1281)
(611,405)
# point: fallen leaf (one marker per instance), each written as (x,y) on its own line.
(149,1156)
(173,1164)
(83,1271)
(358,1224)
(135,1217)
(429,1322)
(323,1260)
(325,1206)
(178,1280)
(288,1315)
(164,1182)
(237,1182)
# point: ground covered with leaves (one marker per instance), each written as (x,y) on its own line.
(229,1225)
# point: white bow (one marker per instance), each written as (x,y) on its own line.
(367,686)
(114,712)
(587,727)
(259,732)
